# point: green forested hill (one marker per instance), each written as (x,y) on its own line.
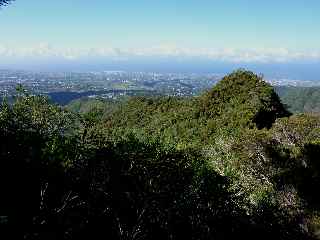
(239,101)
(300,99)
(87,105)
(296,99)
(231,163)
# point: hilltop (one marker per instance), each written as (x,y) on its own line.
(240,100)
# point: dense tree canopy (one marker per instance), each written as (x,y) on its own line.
(161,168)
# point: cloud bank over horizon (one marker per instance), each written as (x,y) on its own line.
(231,55)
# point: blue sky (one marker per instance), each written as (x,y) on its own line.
(224,30)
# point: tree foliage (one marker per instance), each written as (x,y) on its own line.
(229,164)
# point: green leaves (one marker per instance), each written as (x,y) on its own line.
(219,166)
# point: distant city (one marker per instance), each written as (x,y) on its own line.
(114,84)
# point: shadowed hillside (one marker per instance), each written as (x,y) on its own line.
(300,99)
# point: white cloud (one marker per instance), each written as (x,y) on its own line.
(263,55)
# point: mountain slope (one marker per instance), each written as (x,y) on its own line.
(300,99)
(242,99)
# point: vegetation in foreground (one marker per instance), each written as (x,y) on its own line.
(231,163)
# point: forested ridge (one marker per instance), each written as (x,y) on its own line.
(231,163)
(300,99)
